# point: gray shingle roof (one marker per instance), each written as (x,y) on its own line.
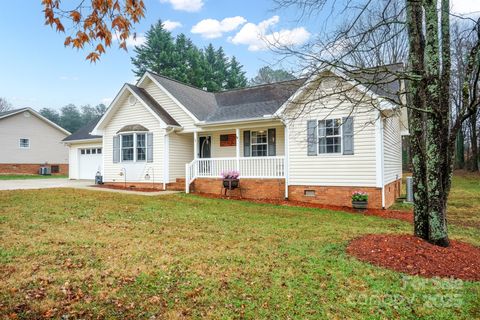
(153,104)
(237,104)
(6,113)
(84,132)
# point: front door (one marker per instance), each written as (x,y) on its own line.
(205,147)
(204,151)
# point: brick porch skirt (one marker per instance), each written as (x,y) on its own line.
(251,188)
(30,168)
(274,189)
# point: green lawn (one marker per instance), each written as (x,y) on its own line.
(93,254)
(464,201)
(28,176)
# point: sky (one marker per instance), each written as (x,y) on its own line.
(37,71)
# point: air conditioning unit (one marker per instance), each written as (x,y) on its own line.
(45,171)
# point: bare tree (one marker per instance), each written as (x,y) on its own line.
(354,48)
(5,105)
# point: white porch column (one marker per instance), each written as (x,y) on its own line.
(195,145)
(237,147)
(285,161)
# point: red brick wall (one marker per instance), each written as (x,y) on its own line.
(335,196)
(29,168)
(275,189)
(392,192)
(251,188)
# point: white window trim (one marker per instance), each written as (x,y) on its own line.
(258,144)
(134,146)
(20,143)
(340,134)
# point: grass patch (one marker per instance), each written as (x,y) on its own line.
(95,254)
(28,176)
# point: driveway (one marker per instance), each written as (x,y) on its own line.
(66,183)
(43,184)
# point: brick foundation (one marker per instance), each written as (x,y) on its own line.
(30,168)
(335,196)
(392,192)
(251,188)
(342,196)
(173,186)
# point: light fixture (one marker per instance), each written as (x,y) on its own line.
(147,177)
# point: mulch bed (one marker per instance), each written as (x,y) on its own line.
(384,213)
(415,256)
(128,188)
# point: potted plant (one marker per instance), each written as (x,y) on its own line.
(230,179)
(359,200)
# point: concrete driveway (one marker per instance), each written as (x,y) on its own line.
(44,183)
(66,183)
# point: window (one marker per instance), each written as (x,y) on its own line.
(259,143)
(89,151)
(82,151)
(141,147)
(329,136)
(127,147)
(55,169)
(24,143)
(94,151)
(99,151)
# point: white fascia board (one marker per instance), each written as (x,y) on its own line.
(175,100)
(83,141)
(38,115)
(240,121)
(96,130)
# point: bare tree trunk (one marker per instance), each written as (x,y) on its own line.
(474,143)
(417,133)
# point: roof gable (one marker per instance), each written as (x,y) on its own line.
(145,99)
(11,113)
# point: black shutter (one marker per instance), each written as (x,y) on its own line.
(312,137)
(246,143)
(272,150)
(347,135)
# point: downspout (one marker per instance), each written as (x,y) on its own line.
(380,156)
(166,157)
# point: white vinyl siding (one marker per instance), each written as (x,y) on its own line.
(44,141)
(333,169)
(181,153)
(392,149)
(169,105)
(223,152)
(74,154)
(128,114)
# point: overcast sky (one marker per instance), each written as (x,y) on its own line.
(36,70)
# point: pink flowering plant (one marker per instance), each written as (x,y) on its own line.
(359,196)
(232,174)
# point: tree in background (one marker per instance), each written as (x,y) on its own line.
(267,75)
(52,115)
(236,75)
(178,58)
(5,105)
(94,23)
(71,118)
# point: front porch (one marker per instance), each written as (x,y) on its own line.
(256,152)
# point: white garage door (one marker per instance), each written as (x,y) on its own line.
(90,161)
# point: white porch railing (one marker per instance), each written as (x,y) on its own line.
(249,167)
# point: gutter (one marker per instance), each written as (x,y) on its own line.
(239,121)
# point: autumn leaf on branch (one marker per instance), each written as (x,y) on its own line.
(94,23)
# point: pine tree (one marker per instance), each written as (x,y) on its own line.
(236,76)
(179,59)
(156,54)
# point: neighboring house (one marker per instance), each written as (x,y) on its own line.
(163,131)
(29,141)
(85,152)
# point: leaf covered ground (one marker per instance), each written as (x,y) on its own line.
(85,254)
